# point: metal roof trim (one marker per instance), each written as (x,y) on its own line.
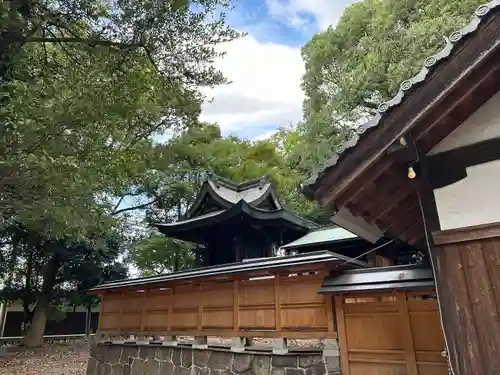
(235,268)
(379,278)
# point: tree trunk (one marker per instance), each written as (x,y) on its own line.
(34,337)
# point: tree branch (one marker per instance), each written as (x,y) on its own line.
(144,205)
(91,42)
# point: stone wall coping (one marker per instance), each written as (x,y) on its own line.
(248,350)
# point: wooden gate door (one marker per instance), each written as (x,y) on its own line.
(391,334)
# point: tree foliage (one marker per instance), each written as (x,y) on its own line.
(352,67)
(84,87)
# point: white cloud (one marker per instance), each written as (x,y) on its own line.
(307,14)
(265,86)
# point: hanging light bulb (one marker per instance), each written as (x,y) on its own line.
(411,173)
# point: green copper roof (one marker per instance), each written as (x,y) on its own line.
(321,236)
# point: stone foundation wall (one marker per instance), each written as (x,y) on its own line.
(132,359)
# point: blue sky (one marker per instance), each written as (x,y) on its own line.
(265,67)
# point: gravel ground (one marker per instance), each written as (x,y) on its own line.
(53,359)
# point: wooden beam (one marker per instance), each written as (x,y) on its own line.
(171,309)
(329,312)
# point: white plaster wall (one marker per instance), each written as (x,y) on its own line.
(482,125)
(474,200)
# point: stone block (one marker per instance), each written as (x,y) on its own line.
(179,370)
(116,369)
(126,369)
(220,361)
(113,354)
(294,371)
(277,371)
(98,351)
(127,353)
(137,367)
(261,365)
(151,366)
(146,352)
(163,354)
(330,344)
(316,369)
(187,358)
(309,360)
(205,371)
(103,368)
(332,364)
(284,361)
(241,363)
(166,368)
(201,357)
(177,356)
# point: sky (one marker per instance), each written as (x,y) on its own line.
(265,67)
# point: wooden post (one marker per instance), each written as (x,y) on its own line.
(404,316)
(342,335)
(101,313)
(329,312)
(277,302)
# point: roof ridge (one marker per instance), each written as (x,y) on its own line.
(406,86)
(239,186)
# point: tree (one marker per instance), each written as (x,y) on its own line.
(52,272)
(181,167)
(361,62)
(100,81)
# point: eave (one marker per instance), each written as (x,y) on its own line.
(186,229)
(366,177)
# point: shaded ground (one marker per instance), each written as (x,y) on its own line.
(53,359)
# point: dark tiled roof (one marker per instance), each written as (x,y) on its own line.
(408,85)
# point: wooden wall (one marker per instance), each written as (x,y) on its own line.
(283,306)
(390,334)
(468,276)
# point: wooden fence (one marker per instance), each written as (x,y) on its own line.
(398,333)
(282,305)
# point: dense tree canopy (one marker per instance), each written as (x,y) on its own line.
(352,67)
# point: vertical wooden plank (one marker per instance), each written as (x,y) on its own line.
(171,309)
(409,348)
(236,310)
(492,257)
(200,307)
(123,300)
(342,335)
(483,306)
(329,312)
(101,313)
(469,356)
(143,312)
(277,302)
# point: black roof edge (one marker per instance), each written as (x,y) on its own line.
(403,277)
